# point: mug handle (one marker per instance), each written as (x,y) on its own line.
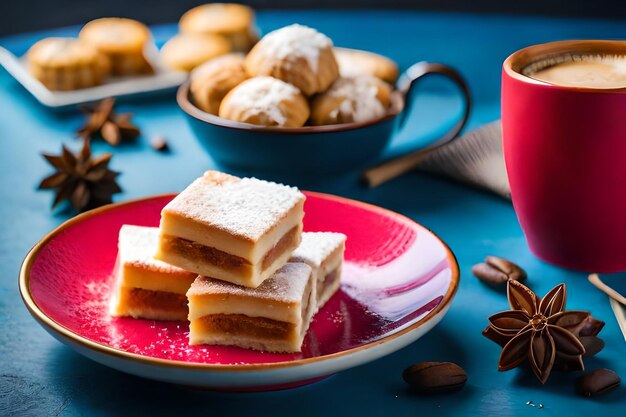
(392,168)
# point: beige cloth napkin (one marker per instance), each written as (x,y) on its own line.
(475,158)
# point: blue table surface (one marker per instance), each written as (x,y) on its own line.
(41,376)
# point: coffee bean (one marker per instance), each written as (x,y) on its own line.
(597,382)
(497,271)
(592,344)
(488,274)
(434,377)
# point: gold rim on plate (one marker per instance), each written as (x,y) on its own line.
(50,324)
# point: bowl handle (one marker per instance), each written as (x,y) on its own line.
(392,168)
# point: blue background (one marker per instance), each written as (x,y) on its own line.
(38,375)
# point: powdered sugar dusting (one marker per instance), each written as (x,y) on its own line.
(261,97)
(247,207)
(287,285)
(137,245)
(358,94)
(317,246)
(295,41)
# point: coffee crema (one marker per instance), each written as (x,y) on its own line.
(601,72)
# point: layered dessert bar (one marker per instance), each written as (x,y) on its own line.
(239,230)
(273,317)
(323,252)
(145,287)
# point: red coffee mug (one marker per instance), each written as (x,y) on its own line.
(565,153)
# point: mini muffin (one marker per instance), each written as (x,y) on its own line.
(185,52)
(67,64)
(123,41)
(297,55)
(354,62)
(235,22)
(351,99)
(265,101)
(211,81)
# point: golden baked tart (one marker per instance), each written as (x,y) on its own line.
(351,99)
(123,41)
(265,101)
(354,62)
(211,81)
(186,51)
(235,22)
(67,64)
(298,55)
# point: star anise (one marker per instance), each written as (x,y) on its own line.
(82,180)
(538,330)
(104,122)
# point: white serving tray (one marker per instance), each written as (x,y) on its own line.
(161,80)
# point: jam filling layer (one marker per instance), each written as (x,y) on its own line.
(196,251)
(288,240)
(223,260)
(242,325)
(140,298)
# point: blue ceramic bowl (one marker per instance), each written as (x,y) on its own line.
(310,152)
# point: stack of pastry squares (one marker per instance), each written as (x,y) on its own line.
(230,256)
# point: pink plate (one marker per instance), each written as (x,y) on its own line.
(398,282)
